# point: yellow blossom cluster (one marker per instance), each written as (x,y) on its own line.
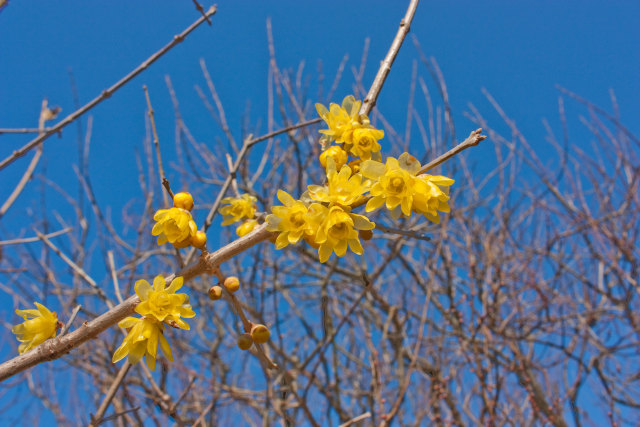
(355,175)
(176,225)
(323,216)
(40,324)
(159,305)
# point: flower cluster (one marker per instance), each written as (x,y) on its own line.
(39,326)
(158,306)
(241,208)
(176,225)
(323,216)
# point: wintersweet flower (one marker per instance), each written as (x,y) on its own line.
(341,120)
(164,304)
(292,220)
(365,142)
(338,229)
(39,326)
(246,227)
(342,187)
(435,198)
(174,225)
(339,156)
(142,340)
(396,184)
(238,208)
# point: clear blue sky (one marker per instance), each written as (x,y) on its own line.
(518,51)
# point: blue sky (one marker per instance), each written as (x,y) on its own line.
(518,51)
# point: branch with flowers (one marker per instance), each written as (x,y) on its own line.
(357,176)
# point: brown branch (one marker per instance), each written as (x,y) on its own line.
(107,92)
(156,143)
(54,348)
(372,97)
(97,418)
(473,139)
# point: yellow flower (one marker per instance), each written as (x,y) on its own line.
(143,338)
(238,209)
(175,226)
(402,191)
(339,229)
(246,227)
(338,155)
(365,142)
(435,198)
(162,304)
(342,187)
(39,326)
(342,121)
(292,220)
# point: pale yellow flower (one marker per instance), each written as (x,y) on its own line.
(143,338)
(365,142)
(39,326)
(174,225)
(238,208)
(342,187)
(402,191)
(292,220)
(341,120)
(339,229)
(435,198)
(339,156)
(164,304)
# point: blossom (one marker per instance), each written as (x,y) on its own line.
(246,227)
(174,225)
(342,187)
(238,208)
(402,191)
(142,340)
(39,326)
(292,220)
(341,120)
(435,199)
(338,155)
(338,229)
(164,304)
(365,142)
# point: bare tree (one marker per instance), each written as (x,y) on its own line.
(519,308)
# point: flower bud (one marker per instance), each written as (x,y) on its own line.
(245,341)
(365,234)
(199,240)
(260,333)
(231,284)
(246,227)
(337,154)
(183,201)
(215,293)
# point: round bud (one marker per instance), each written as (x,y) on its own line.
(337,154)
(245,341)
(231,284)
(366,234)
(199,240)
(260,333)
(183,201)
(215,292)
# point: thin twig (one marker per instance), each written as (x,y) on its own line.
(156,143)
(474,139)
(107,92)
(34,239)
(372,97)
(97,418)
(67,325)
